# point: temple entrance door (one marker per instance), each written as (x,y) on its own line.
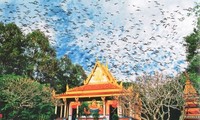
(112,112)
(73,114)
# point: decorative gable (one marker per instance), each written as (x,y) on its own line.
(100,74)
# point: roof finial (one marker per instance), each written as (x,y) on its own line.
(97,59)
(67,87)
(53,92)
(107,64)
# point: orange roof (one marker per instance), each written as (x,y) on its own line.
(83,95)
(95,87)
(92,90)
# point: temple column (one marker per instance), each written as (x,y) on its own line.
(56,107)
(107,104)
(67,111)
(61,110)
(70,111)
(65,106)
(76,107)
(119,109)
(104,106)
(77,111)
(117,99)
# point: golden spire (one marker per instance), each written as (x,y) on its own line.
(53,92)
(97,59)
(106,64)
(67,87)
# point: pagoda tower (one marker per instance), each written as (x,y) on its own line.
(192,103)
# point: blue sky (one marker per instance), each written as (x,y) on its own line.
(135,37)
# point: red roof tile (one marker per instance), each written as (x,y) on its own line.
(95,87)
(91,90)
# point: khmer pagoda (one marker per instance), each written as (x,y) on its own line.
(97,98)
(192,103)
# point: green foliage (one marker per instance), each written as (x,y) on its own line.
(83,106)
(196,9)
(194,72)
(95,115)
(12,45)
(68,73)
(29,55)
(32,56)
(195,65)
(192,44)
(24,98)
(41,57)
(193,50)
(115,117)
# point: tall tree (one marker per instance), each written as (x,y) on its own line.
(24,98)
(159,96)
(193,51)
(29,55)
(32,55)
(12,46)
(41,57)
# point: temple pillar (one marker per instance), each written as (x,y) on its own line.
(61,111)
(65,106)
(119,109)
(107,109)
(67,111)
(76,107)
(104,106)
(70,111)
(117,99)
(56,108)
(77,111)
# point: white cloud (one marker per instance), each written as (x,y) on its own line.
(131,25)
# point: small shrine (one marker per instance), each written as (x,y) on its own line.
(192,103)
(99,97)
